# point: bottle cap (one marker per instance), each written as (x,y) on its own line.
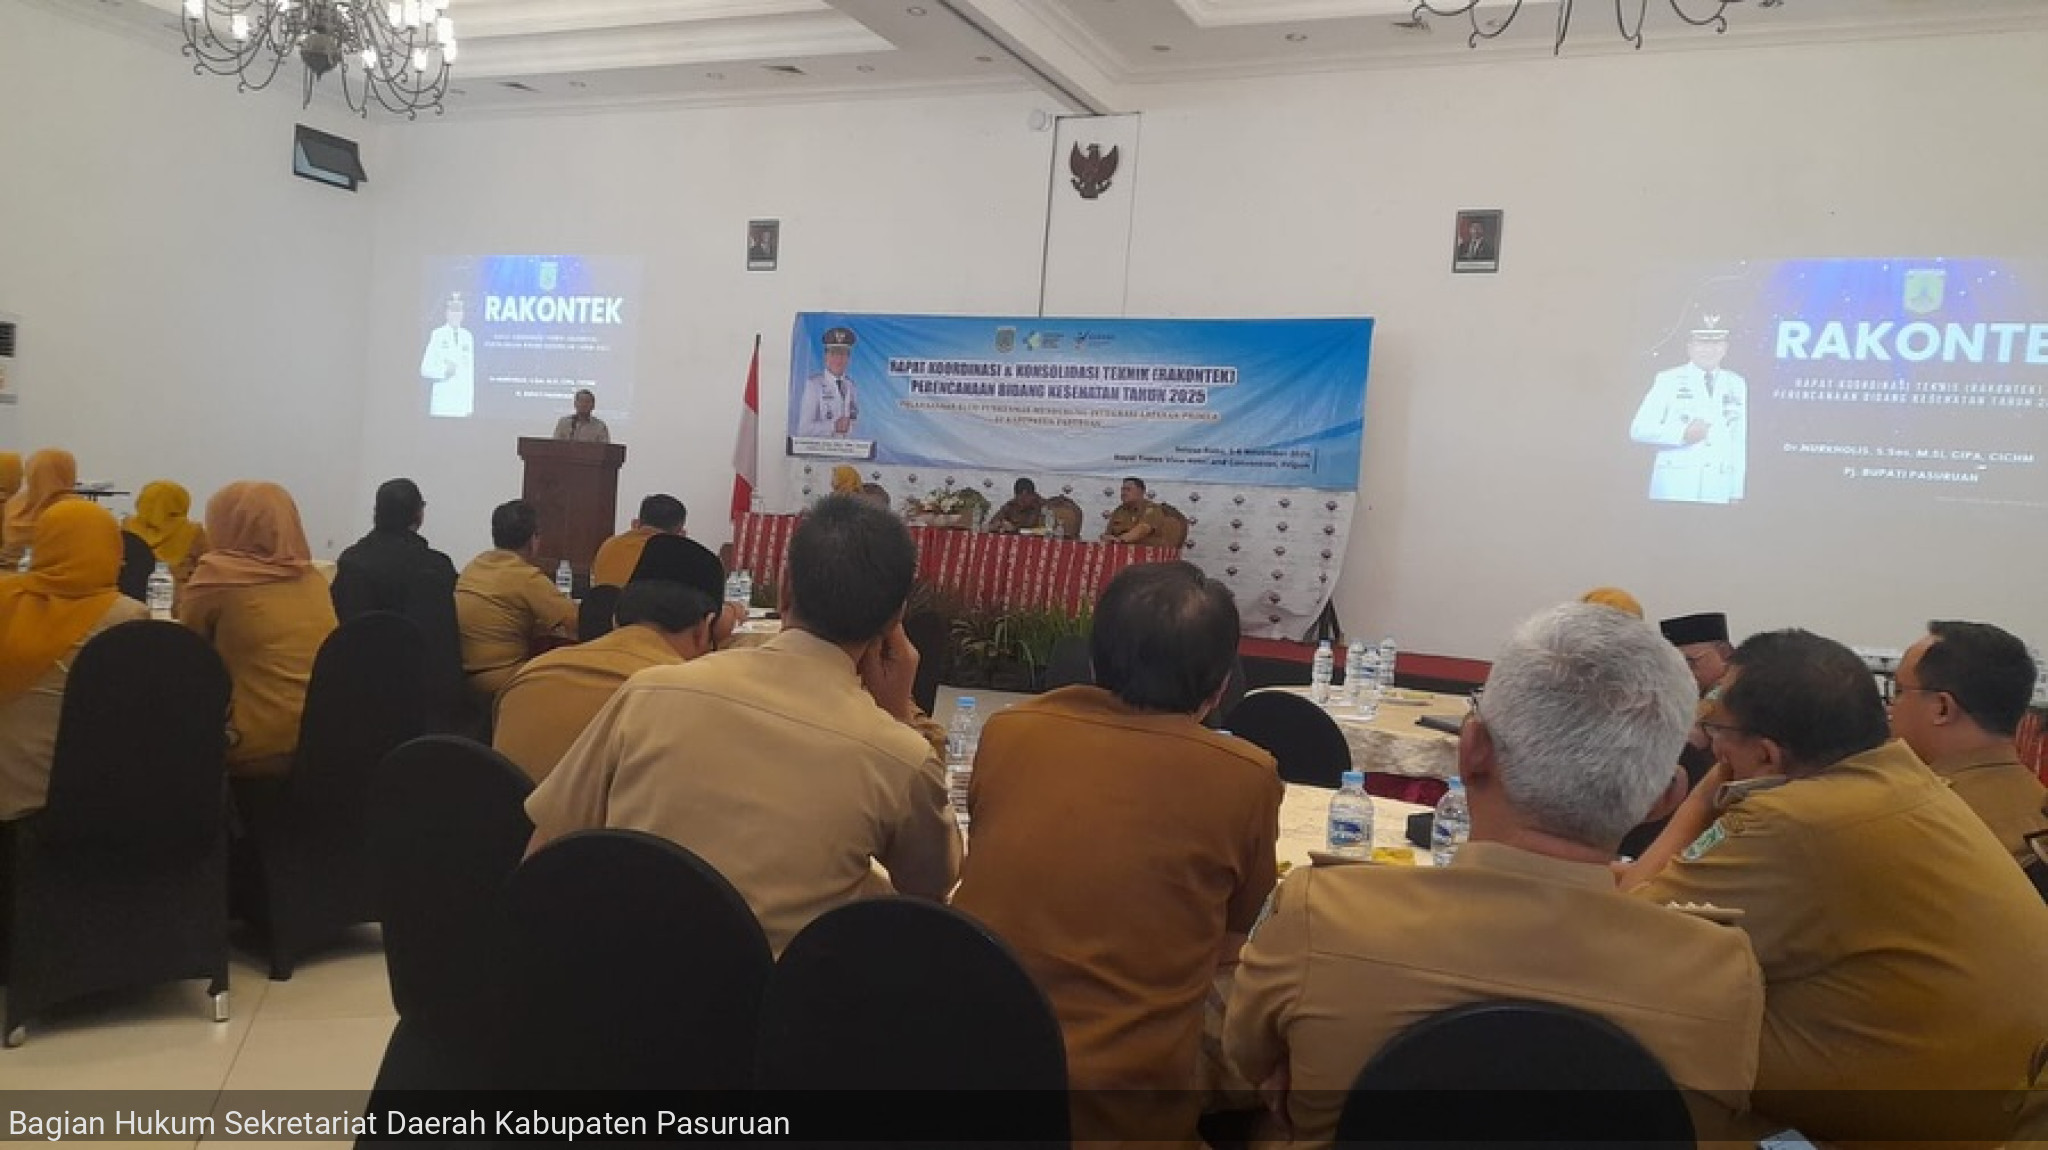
(964,701)
(1457,784)
(1354,779)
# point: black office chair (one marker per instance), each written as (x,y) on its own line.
(1302,737)
(121,878)
(1233,694)
(1510,1073)
(1261,671)
(594,612)
(138,563)
(899,994)
(1069,664)
(638,967)
(447,829)
(306,859)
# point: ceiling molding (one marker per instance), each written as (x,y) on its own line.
(794,39)
(587,105)
(1238,13)
(480,19)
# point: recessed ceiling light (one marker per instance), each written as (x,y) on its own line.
(863,67)
(1162,47)
(915,11)
(714,75)
(984,59)
(578,84)
(1296,37)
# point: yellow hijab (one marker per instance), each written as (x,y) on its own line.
(161,520)
(845,480)
(52,476)
(255,535)
(72,582)
(10,474)
(1614,597)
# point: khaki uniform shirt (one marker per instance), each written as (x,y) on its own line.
(502,604)
(1015,518)
(1901,949)
(268,636)
(1351,956)
(617,556)
(2003,793)
(553,697)
(775,766)
(1124,518)
(1113,850)
(591,430)
(28,722)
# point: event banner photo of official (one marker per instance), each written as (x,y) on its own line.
(515,337)
(1250,428)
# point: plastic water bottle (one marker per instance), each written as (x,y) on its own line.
(1351,818)
(565,579)
(1388,653)
(162,589)
(1367,671)
(28,559)
(746,588)
(962,737)
(1320,671)
(1453,824)
(1354,658)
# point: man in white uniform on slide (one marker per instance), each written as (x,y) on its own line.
(1698,413)
(449,364)
(828,407)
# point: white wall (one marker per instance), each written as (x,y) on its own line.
(933,205)
(188,308)
(1498,476)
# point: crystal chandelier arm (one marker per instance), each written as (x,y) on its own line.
(1479,31)
(1632,35)
(1718,20)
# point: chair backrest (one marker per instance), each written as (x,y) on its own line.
(366,698)
(1526,1059)
(594,613)
(903,994)
(447,829)
(1307,743)
(1173,530)
(1267,671)
(1233,694)
(932,634)
(641,968)
(141,745)
(1066,514)
(138,563)
(1069,664)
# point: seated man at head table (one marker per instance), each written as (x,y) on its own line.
(1137,519)
(1959,696)
(1572,744)
(1024,512)
(1123,849)
(791,767)
(505,604)
(664,617)
(617,556)
(1901,948)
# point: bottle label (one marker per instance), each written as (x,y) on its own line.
(1345,832)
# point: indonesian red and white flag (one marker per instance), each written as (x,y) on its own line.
(746,450)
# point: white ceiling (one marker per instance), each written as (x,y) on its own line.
(1088,55)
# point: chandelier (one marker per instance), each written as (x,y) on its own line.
(395,52)
(1633,33)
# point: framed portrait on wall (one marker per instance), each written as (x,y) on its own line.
(764,244)
(1475,246)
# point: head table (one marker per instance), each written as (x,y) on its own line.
(985,570)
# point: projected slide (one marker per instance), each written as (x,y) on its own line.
(1823,383)
(515,337)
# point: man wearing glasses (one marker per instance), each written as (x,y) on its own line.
(1900,947)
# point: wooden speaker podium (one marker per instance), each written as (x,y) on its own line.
(574,487)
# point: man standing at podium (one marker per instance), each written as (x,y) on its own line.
(583,427)
(449,363)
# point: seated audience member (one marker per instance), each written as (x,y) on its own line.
(1901,949)
(1024,512)
(50,478)
(1572,744)
(661,622)
(1121,779)
(257,598)
(659,515)
(1703,640)
(1137,519)
(10,475)
(162,519)
(845,480)
(503,603)
(674,559)
(1614,597)
(393,569)
(1961,692)
(46,617)
(790,767)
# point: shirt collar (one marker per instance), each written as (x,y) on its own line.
(2002,755)
(1735,792)
(1513,860)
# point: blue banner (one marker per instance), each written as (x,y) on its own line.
(1276,403)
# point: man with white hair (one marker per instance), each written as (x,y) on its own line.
(1572,744)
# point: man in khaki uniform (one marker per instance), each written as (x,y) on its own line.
(503,602)
(1584,712)
(1961,693)
(1902,951)
(791,767)
(617,556)
(1137,519)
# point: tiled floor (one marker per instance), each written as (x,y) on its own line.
(324,1030)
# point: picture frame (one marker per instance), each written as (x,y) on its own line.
(764,244)
(1475,241)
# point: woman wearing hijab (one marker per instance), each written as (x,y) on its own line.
(162,520)
(10,475)
(50,478)
(46,616)
(845,480)
(257,598)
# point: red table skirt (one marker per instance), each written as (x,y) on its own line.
(985,571)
